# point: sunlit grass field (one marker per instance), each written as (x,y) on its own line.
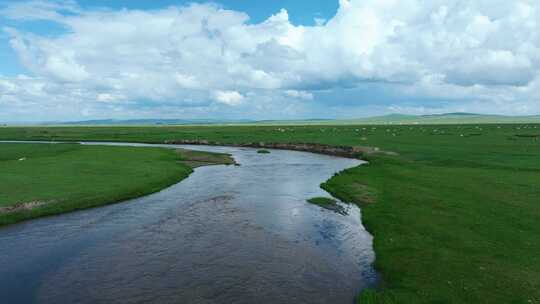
(455,214)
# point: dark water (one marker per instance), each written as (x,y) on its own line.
(225,235)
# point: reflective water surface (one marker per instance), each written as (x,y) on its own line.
(226,234)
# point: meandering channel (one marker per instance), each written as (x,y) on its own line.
(227,234)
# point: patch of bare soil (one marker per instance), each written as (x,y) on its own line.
(22,207)
(196,159)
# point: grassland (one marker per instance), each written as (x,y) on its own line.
(45,179)
(454,215)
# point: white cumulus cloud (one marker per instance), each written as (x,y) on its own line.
(472,52)
(299,94)
(231,98)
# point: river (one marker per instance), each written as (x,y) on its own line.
(226,234)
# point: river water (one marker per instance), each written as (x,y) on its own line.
(226,234)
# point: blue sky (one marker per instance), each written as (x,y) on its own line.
(301,13)
(238,59)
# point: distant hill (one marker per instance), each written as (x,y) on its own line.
(146,122)
(448,118)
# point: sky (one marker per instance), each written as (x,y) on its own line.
(67,60)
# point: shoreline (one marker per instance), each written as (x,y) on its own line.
(356,152)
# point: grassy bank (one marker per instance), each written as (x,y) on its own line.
(195,159)
(45,179)
(454,214)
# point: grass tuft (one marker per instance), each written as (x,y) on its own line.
(329,204)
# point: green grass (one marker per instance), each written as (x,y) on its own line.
(455,215)
(64,177)
(263,151)
(451,234)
